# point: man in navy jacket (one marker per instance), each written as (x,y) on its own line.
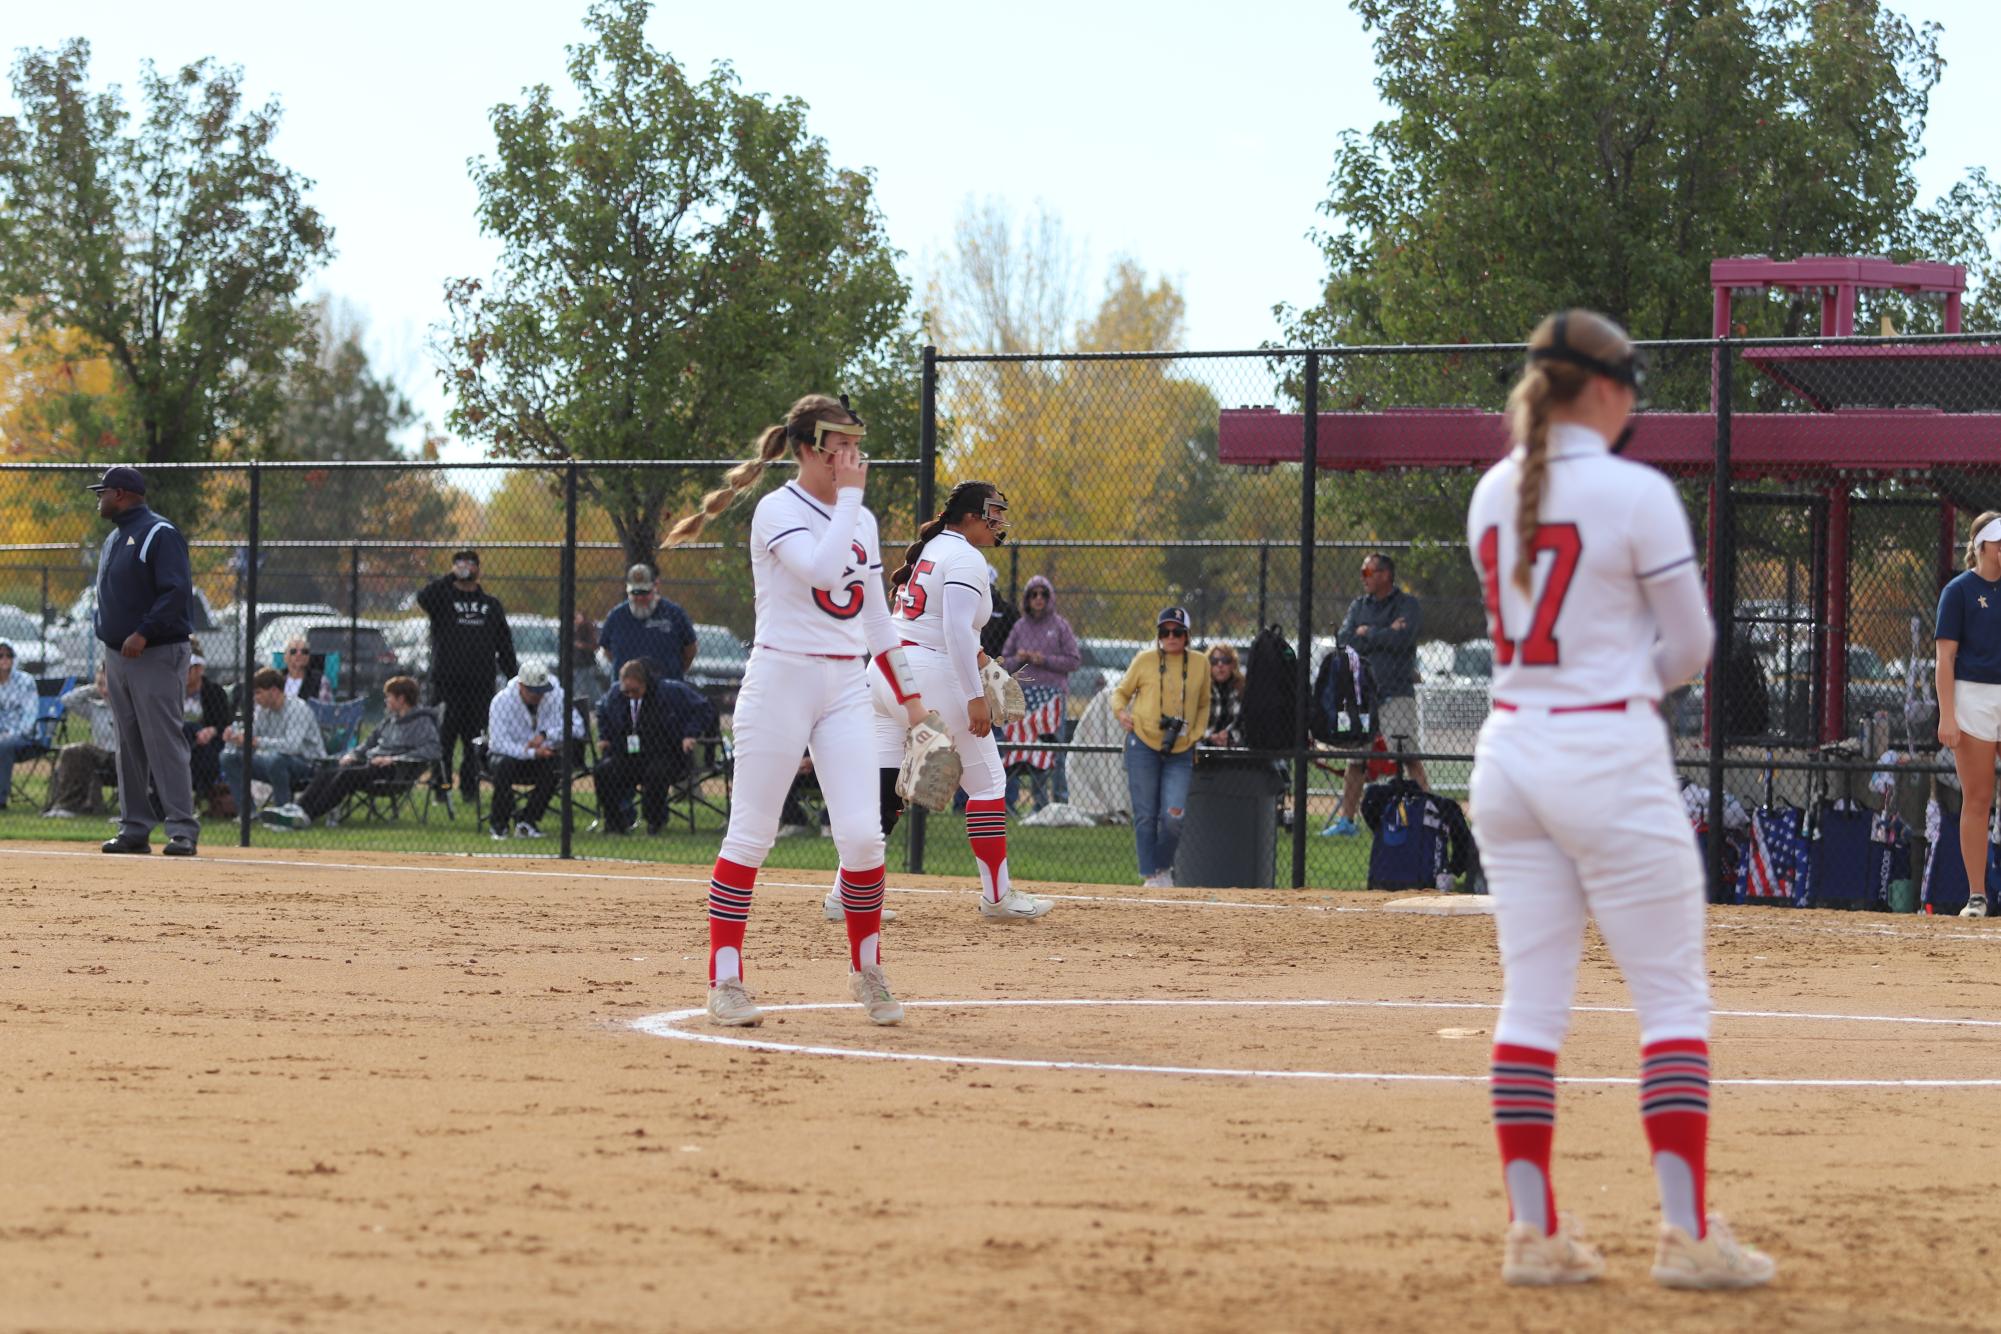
(647,728)
(143,588)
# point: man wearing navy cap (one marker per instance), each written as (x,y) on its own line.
(143,586)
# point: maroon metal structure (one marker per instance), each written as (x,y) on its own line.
(1875,409)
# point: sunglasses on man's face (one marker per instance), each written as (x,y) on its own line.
(295,653)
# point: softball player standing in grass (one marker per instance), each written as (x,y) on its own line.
(1969,693)
(1595,606)
(821,615)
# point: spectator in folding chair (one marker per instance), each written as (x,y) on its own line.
(288,743)
(83,768)
(648,730)
(205,715)
(19,703)
(524,723)
(403,746)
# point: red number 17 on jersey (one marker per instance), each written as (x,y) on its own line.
(1539,648)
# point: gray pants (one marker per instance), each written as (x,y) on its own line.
(146,695)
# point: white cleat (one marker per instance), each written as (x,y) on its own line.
(1531,1259)
(1015,906)
(1976,906)
(831,905)
(870,987)
(730,1005)
(1717,1261)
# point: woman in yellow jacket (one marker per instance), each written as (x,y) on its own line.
(1163,701)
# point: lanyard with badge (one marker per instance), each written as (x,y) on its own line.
(632,737)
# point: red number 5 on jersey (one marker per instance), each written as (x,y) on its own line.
(913,594)
(850,605)
(1540,648)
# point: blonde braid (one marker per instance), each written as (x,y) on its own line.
(1528,410)
(735,482)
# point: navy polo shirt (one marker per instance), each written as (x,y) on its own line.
(1969,611)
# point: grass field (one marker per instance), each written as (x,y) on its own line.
(1102,855)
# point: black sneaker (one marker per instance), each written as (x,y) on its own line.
(180,845)
(131,846)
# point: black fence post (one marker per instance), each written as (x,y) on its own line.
(566,615)
(247,667)
(1722,598)
(1309,476)
(353,616)
(927,491)
(1264,576)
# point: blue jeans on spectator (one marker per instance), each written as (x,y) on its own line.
(10,747)
(1159,787)
(283,772)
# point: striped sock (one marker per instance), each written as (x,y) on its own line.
(1674,1107)
(986,829)
(729,910)
(861,895)
(1522,1089)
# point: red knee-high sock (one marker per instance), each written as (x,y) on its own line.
(729,910)
(861,895)
(1522,1088)
(1674,1107)
(986,829)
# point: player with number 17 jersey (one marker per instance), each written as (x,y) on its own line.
(1584,633)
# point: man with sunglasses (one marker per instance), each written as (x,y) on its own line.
(647,628)
(1382,626)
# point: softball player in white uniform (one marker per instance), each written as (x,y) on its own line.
(942,598)
(1595,605)
(821,616)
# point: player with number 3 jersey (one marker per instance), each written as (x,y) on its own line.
(1595,605)
(821,617)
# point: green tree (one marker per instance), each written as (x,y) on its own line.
(679,261)
(177,247)
(1545,153)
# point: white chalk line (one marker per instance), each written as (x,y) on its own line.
(667,1025)
(1991,937)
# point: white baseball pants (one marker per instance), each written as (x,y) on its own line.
(792,705)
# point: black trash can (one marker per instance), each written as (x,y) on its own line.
(1230,833)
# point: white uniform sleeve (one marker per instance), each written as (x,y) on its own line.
(821,563)
(1687,636)
(1663,556)
(962,641)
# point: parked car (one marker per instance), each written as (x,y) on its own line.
(74,637)
(720,659)
(34,653)
(1104,661)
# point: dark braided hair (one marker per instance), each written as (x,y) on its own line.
(967,500)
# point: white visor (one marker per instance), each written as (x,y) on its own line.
(1991,533)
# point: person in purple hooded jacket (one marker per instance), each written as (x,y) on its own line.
(1042,650)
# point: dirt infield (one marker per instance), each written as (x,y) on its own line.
(348,1092)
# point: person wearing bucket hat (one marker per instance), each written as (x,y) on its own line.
(144,584)
(1163,704)
(524,725)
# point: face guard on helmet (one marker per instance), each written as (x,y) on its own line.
(854,427)
(995,514)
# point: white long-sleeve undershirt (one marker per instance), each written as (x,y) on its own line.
(962,641)
(1682,614)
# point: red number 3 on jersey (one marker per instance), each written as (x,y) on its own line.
(1539,648)
(850,604)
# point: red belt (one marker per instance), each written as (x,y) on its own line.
(1616,706)
(799,653)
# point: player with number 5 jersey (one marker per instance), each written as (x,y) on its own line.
(1595,605)
(821,617)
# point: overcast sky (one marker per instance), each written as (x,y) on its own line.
(1196,138)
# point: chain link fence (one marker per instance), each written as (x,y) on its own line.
(1830,485)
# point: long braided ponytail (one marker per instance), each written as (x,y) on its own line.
(796,430)
(966,500)
(1564,352)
